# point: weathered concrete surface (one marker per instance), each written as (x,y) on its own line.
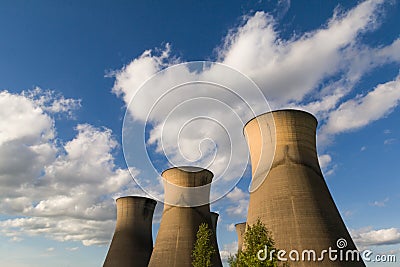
(132,242)
(292,199)
(178,227)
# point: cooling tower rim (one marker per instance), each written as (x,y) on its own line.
(189,169)
(282,110)
(153,201)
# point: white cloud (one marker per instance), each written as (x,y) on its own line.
(231,227)
(288,70)
(362,110)
(238,203)
(282,8)
(390,141)
(368,236)
(381,203)
(62,190)
(348,213)
(129,79)
(51,102)
(324,160)
(16,113)
(387,131)
(237,194)
(50,249)
(89,232)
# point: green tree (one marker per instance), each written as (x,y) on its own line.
(256,238)
(203,249)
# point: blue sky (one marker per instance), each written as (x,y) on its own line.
(69,69)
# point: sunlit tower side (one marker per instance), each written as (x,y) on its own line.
(288,191)
(180,221)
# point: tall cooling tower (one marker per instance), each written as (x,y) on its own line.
(240,229)
(132,242)
(292,199)
(180,220)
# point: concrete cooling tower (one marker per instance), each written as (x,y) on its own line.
(132,242)
(240,229)
(289,193)
(180,220)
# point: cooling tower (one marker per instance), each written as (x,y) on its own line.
(132,242)
(180,222)
(291,198)
(240,229)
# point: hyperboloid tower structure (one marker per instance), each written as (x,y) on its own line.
(132,243)
(288,191)
(184,188)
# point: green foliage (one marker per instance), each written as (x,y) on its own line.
(256,238)
(203,249)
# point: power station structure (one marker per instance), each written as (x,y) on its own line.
(288,194)
(180,220)
(288,191)
(132,243)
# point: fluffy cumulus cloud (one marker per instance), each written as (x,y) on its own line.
(239,203)
(62,191)
(289,70)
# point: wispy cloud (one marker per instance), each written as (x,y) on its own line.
(390,141)
(381,203)
(362,110)
(368,236)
